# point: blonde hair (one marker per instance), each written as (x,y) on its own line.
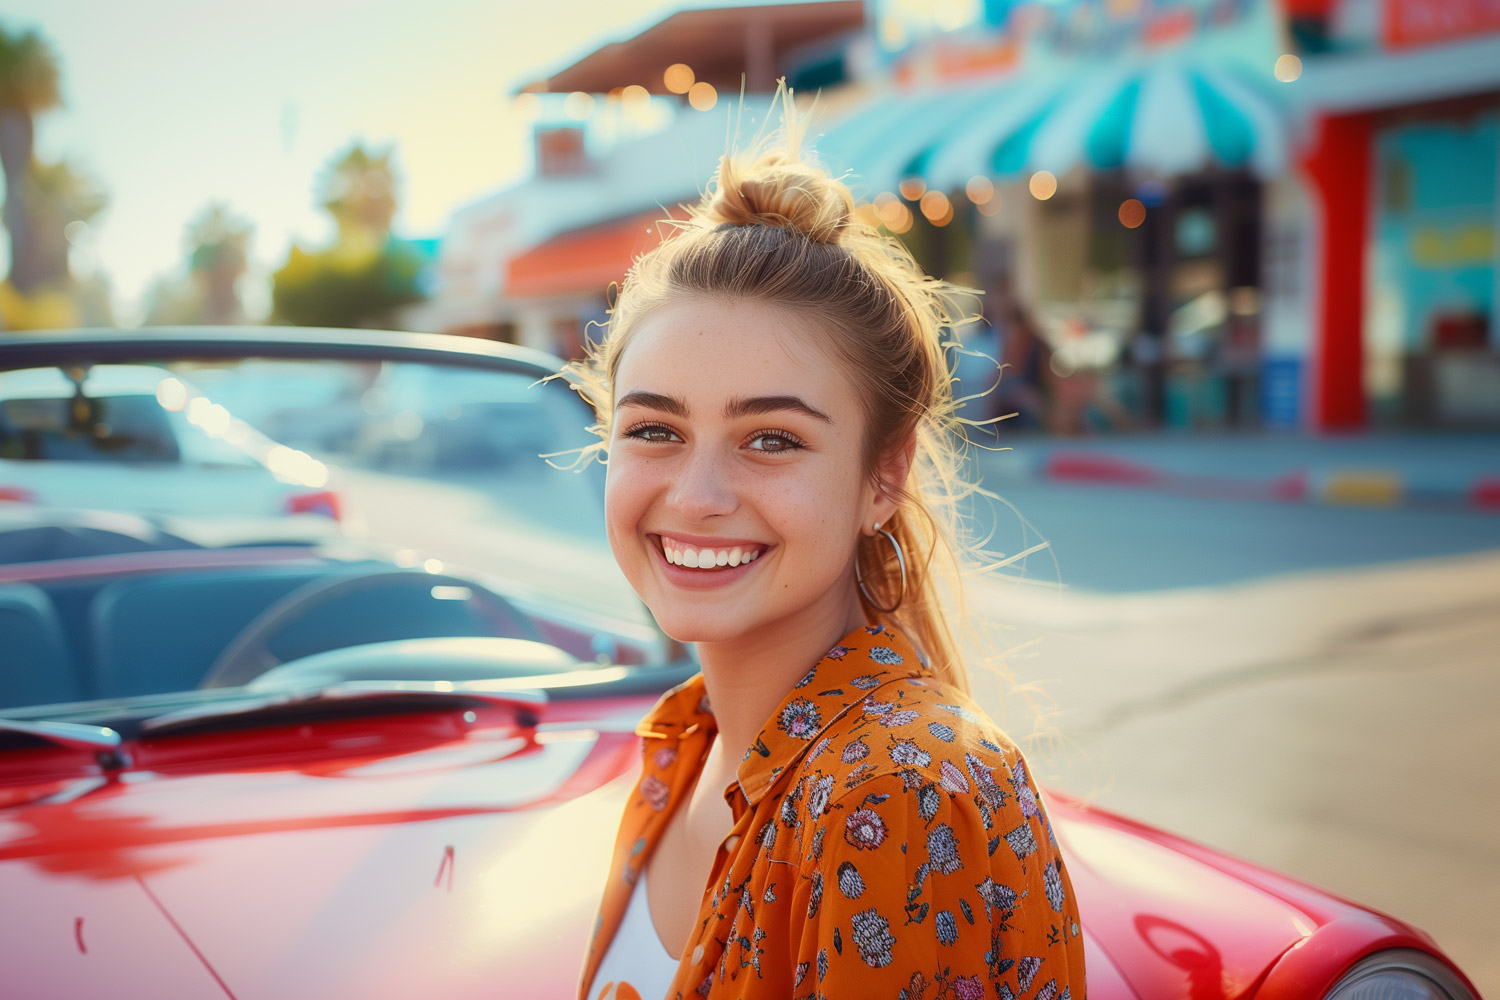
(776,228)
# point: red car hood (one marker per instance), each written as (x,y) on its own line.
(471,868)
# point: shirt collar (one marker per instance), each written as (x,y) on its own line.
(867,658)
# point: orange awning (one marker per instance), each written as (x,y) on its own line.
(583,261)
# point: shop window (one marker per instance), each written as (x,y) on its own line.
(1431,351)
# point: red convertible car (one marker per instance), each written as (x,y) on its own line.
(271,758)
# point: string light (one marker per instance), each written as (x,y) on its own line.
(678,78)
(1132,213)
(936,206)
(911,188)
(703,96)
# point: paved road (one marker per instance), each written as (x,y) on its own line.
(1309,687)
(1126,540)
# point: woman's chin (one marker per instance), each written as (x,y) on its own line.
(696,627)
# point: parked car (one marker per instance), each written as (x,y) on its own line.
(137,438)
(276,767)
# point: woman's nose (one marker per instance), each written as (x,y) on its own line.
(701,488)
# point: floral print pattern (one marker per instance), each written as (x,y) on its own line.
(799,719)
(888,843)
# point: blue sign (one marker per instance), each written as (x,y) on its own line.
(1281,391)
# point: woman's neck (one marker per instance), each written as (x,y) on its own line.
(749,676)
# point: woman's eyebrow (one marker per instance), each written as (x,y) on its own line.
(653,401)
(754,405)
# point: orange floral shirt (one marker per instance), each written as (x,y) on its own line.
(888,843)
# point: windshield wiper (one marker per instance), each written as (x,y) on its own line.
(344,698)
(101,741)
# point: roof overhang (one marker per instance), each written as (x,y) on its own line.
(584,261)
(1342,84)
(721,45)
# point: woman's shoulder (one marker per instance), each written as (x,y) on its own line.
(925,826)
(914,723)
(931,746)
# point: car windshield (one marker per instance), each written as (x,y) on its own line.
(182,525)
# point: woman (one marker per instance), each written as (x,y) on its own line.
(823,812)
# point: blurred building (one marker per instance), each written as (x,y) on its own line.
(621,137)
(1403,154)
(1217,213)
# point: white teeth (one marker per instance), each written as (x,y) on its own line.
(686,555)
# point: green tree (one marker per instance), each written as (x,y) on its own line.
(365,276)
(28,87)
(217,257)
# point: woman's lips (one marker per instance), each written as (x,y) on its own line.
(719,561)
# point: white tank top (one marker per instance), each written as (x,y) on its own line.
(636,966)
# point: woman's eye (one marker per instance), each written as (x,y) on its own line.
(654,433)
(774,441)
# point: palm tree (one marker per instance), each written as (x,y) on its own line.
(28,87)
(55,196)
(359,190)
(217,258)
(52,198)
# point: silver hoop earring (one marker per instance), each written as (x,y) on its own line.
(900,561)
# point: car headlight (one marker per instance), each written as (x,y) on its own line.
(1400,974)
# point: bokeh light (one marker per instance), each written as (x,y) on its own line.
(889,208)
(1043,185)
(991,207)
(868,214)
(171,394)
(635,98)
(1132,213)
(678,78)
(1288,68)
(980,189)
(911,188)
(527,106)
(893,213)
(578,105)
(703,96)
(937,208)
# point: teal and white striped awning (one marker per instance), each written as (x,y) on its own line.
(1165,116)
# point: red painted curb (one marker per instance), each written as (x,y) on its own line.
(1485,493)
(1084,467)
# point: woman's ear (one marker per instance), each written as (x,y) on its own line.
(890,480)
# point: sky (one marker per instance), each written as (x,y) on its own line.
(172,105)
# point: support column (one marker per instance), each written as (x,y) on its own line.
(1340,166)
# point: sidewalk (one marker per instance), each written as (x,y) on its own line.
(1449,470)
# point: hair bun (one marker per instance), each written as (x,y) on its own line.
(776,189)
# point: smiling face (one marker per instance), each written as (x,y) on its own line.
(736,487)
